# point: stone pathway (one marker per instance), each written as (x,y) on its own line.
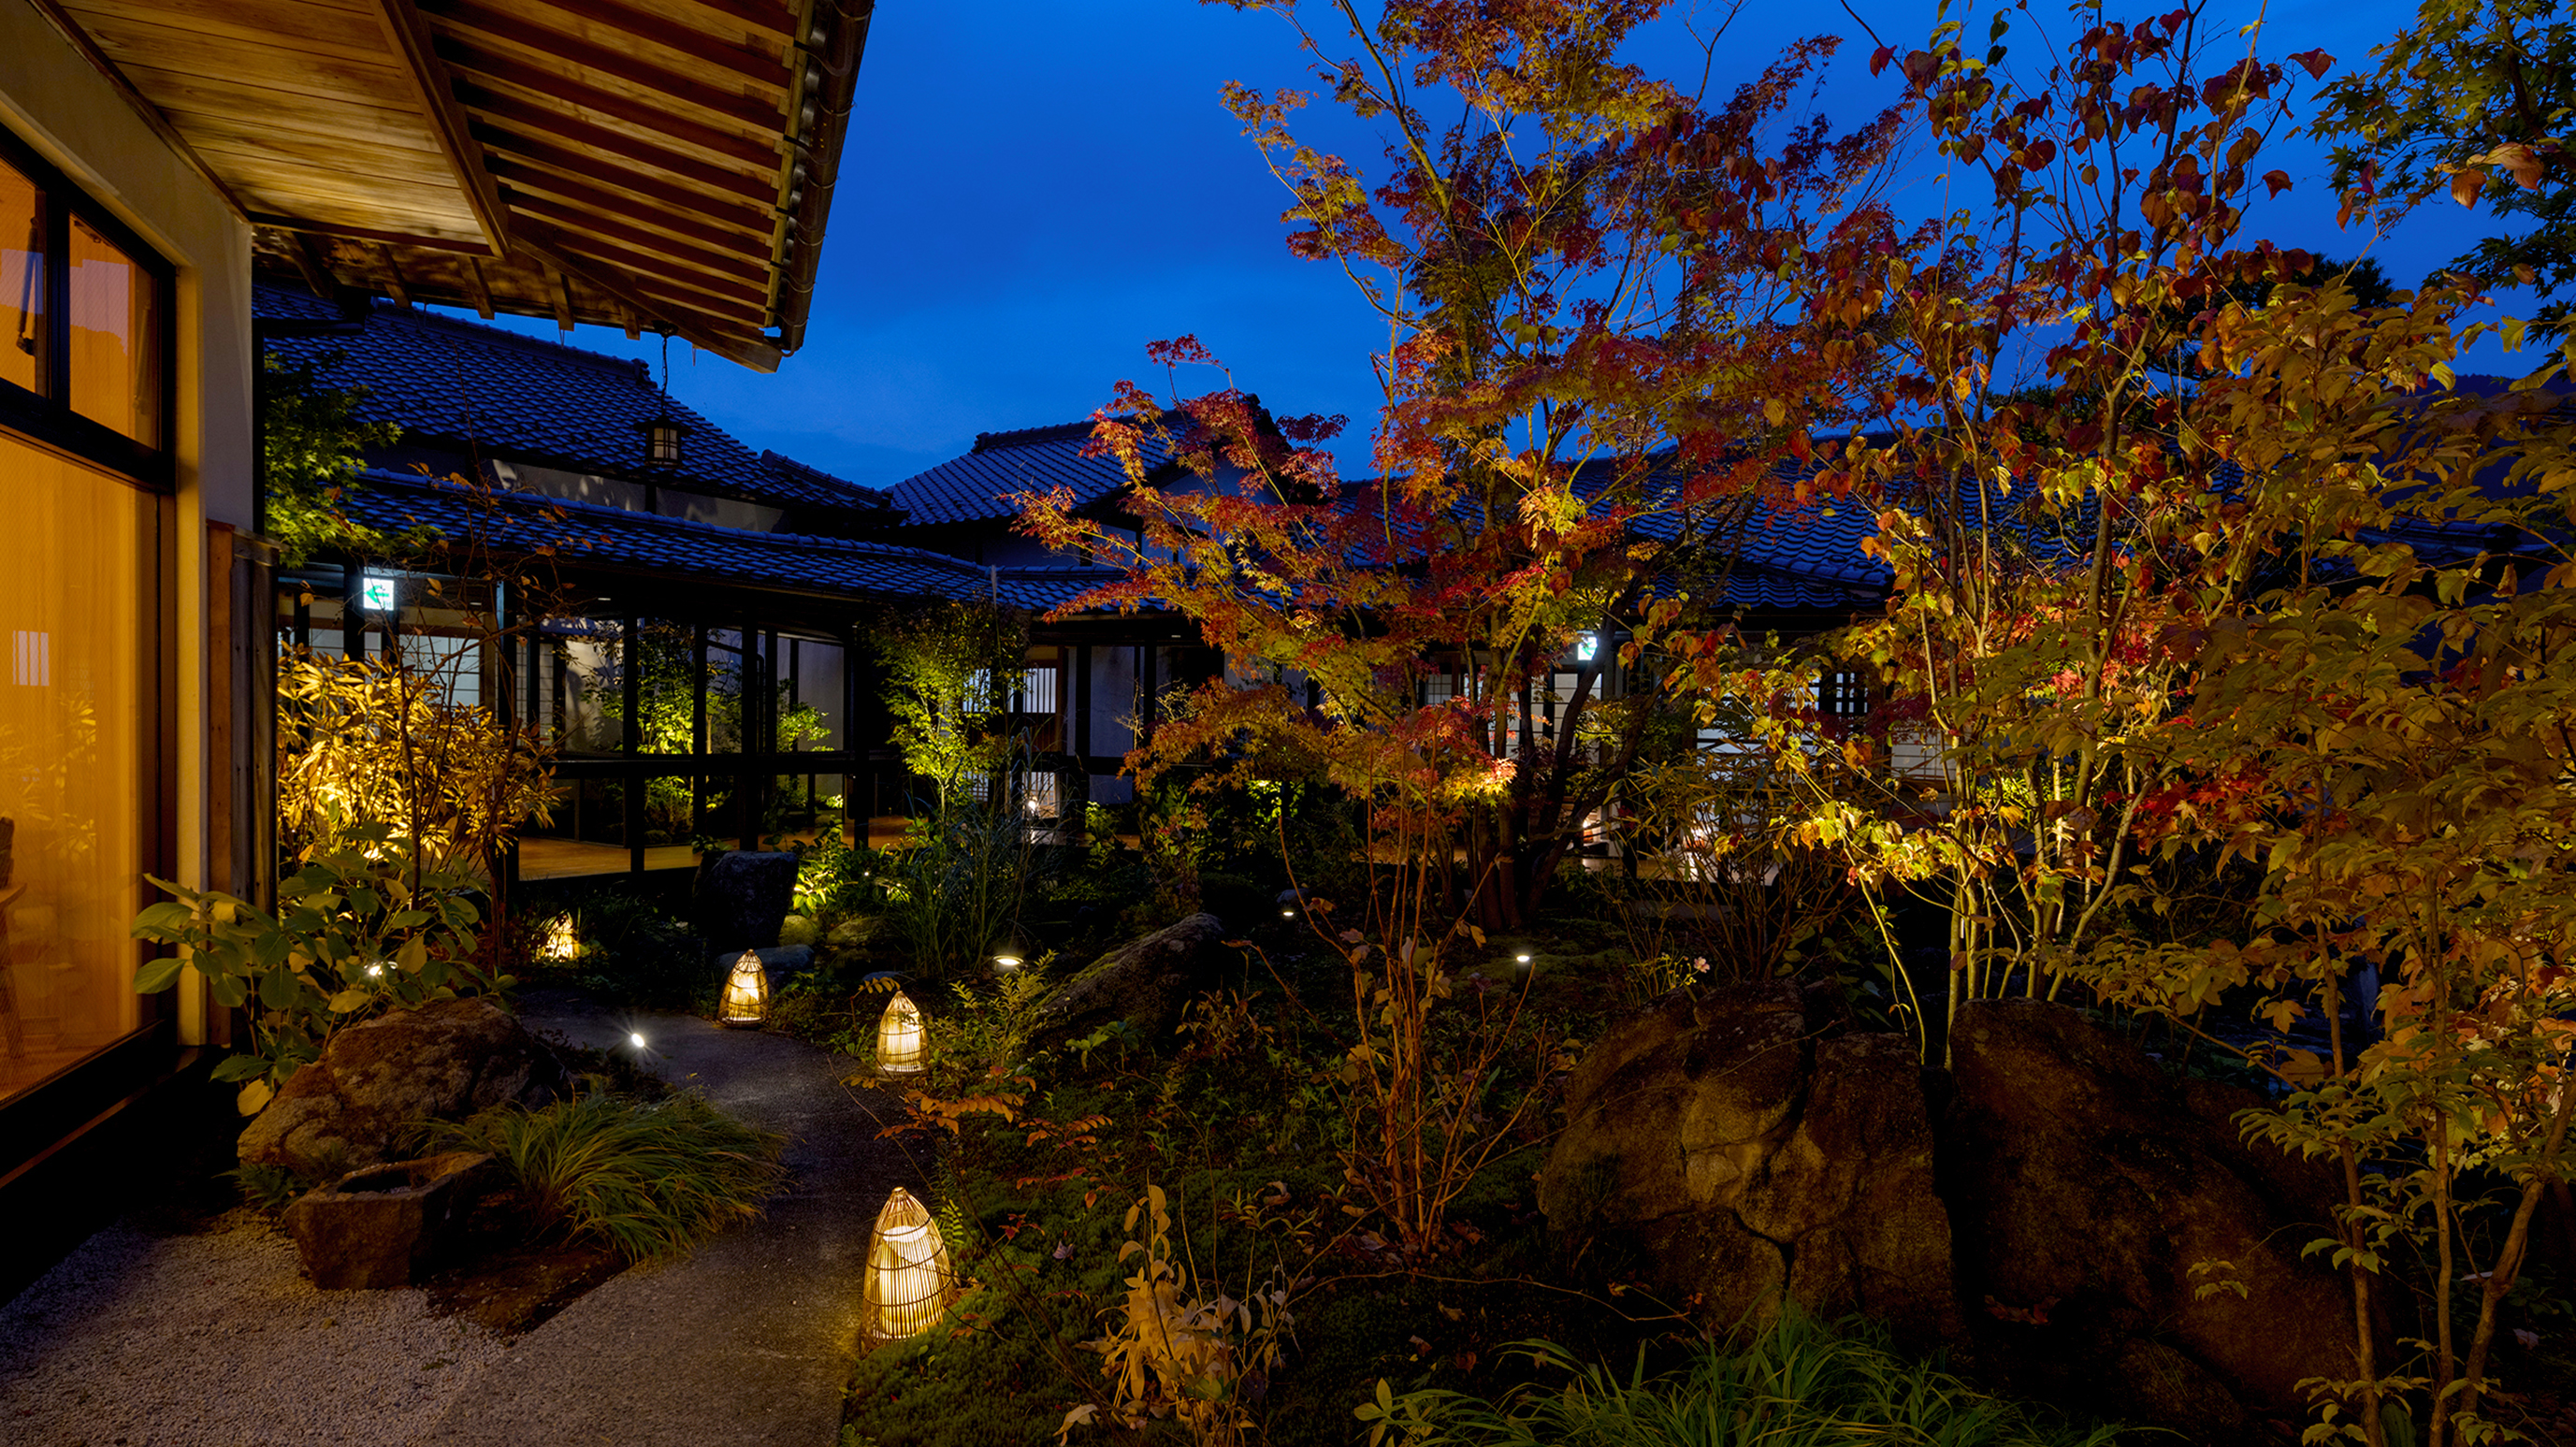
(748,1341)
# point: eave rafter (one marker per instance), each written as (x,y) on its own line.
(409,35)
(648,164)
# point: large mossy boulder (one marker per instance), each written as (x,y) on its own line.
(860,941)
(1744,1160)
(2116,1225)
(743,896)
(1148,983)
(377,1082)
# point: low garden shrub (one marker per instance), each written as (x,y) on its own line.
(1800,1383)
(649,1179)
(635,952)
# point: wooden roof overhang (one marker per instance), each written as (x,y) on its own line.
(646,164)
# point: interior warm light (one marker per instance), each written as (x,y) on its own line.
(746,992)
(899,1038)
(908,1277)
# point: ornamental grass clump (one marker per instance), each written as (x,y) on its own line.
(648,1179)
(1801,1383)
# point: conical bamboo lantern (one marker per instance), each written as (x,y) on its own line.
(900,1040)
(563,944)
(908,1274)
(746,992)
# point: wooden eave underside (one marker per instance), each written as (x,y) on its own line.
(645,164)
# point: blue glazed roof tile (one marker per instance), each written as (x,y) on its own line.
(459,381)
(613,538)
(978,486)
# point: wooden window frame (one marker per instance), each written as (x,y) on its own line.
(49,417)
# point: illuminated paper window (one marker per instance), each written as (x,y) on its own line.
(75,806)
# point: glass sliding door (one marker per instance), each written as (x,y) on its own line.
(79,600)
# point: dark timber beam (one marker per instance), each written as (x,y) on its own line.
(410,37)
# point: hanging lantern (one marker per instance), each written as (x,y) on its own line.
(662,442)
(746,992)
(662,431)
(908,1276)
(562,945)
(900,1038)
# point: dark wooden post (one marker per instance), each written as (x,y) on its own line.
(630,665)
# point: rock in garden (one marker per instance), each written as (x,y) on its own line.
(775,961)
(378,1227)
(1744,1161)
(376,1082)
(2086,1184)
(743,897)
(861,939)
(1147,983)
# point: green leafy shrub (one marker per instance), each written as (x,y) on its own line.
(360,928)
(1801,1383)
(636,952)
(648,1179)
(836,878)
(960,886)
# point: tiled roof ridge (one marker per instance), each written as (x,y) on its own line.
(576,507)
(1028,436)
(785,463)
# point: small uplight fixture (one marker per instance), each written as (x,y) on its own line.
(746,992)
(563,944)
(909,1280)
(1011,952)
(1522,961)
(900,1038)
(376,971)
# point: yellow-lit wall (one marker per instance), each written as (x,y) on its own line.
(55,102)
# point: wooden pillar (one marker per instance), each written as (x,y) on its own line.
(1146,662)
(630,668)
(698,724)
(746,806)
(1082,705)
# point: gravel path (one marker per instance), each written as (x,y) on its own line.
(137,1340)
(216,1340)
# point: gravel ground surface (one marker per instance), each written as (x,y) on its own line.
(216,1340)
(140,1339)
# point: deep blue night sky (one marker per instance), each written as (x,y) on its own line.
(1032,190)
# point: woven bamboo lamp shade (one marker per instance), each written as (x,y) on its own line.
(900,1038)
(908,1275)
(746,992)
(562,945)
